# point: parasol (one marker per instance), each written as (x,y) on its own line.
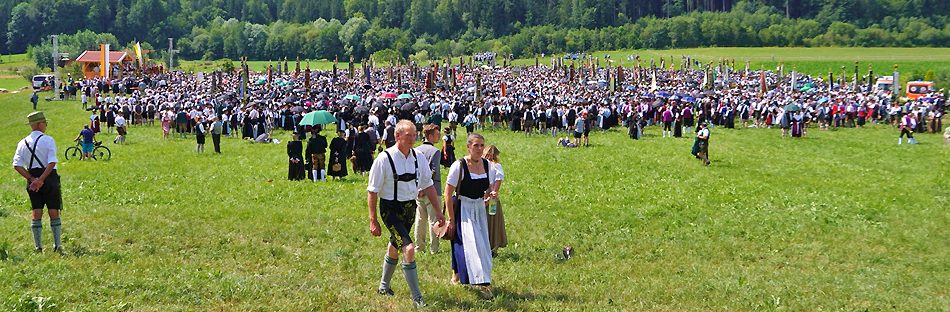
(320,117)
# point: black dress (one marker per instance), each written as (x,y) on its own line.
(337,157)
(295,152)
(363,150)
(448,152)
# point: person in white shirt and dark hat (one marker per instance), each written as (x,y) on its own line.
(35,160)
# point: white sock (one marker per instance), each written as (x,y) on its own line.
(900,141)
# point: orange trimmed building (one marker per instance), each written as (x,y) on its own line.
(91,60)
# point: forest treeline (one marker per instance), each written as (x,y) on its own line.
(267,29)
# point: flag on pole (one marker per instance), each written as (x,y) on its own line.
(306,78)
(794,80)
(104,68)
(613,83)
(429,75)
(138,53)
(245,76)
(504,90)
(654,87)
(478,87)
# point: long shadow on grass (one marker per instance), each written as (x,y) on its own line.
(508,299)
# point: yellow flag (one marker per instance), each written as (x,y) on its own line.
(138,52)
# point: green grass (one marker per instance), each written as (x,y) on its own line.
(13,84)
(261,66)
(841,220)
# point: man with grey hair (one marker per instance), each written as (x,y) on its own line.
(395,189)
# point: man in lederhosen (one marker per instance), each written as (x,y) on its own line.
(395,180)
(908,123)
(35,160)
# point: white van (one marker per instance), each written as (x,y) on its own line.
(40,81)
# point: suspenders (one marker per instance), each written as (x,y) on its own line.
(396,176)
(33,153)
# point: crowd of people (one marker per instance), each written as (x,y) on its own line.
(380,118)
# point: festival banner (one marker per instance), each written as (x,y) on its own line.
(366,70)
(138,54)
(831,81)
(104,66)
(350,73)
(306,78)
(429,75)
(654,87)
(478,87)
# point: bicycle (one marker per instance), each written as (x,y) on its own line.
(99,152)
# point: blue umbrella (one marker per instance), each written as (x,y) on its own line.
(532,94)
(675,97)
(631,88)
(649,96)
(689,99)
(663,94)
(824,99)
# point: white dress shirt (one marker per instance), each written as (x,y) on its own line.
(45,151)
(381,177)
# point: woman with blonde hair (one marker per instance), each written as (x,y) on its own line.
(497,236)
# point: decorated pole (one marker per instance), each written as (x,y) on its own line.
(855,87)
(306,79)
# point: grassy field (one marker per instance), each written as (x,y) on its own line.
(841,220)
(14,83)
(261,66)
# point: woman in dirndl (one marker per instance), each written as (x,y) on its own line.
(797,123)
(497,235)
(448,148)
(471,179)
(94,122)
(336,167)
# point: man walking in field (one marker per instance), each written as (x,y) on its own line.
(34,99)
(908,123)
(395,180)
